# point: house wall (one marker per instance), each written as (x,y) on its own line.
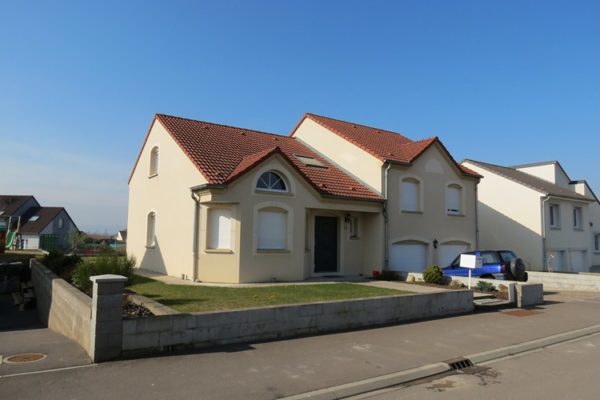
(167,194)
(435,172)
(351,158)
(62,233)
(510,217)
(302,204)
(594,212)
(549,172)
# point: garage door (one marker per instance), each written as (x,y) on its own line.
(578,261)
(556,261)
(408,257)
(448,252)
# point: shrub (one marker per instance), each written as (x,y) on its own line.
(485,286)
(433,274)
(100,266)
(456,284)
(62,265)
(389,276)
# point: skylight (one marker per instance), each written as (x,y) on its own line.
(34,218)
(310,161)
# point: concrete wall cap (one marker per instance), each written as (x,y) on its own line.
(107,278)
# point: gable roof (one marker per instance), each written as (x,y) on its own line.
(223,153)
(385,145)
(9,204)
(531,181)
(543,163)
(45,216)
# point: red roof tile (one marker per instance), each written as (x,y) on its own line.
(223,153)
(382,144)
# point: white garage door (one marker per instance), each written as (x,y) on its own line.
(448,252)
(578,261)
(556,261)
(408,257)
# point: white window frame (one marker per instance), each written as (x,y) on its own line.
(577,218)
(418,189)
(154,162)
(460,210)
(219,235)
(260,247)
(151,229)
(279,175)
(554,220)
(354,228)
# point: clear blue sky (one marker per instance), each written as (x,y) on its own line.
(503,81)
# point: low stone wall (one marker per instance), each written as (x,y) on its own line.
(566,281)
(61,306)
(160,333)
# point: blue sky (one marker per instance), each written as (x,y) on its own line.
(502,81)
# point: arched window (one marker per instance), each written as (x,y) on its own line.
(272,229)
(154,161)
(454,199)
(271,181)
(151,229)
(410,193)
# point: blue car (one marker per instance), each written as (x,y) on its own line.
(497,264)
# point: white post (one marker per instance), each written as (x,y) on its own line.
(469,278)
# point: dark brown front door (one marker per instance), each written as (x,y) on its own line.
(326,239)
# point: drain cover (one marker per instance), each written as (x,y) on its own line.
(25,358)
(459,363)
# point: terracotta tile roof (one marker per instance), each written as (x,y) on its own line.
(541,185)
(223,153)
(382,144)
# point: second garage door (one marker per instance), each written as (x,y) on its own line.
(408,257)
(577,260)
(448,252)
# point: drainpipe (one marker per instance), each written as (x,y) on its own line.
(476,217)
(196,199)
(386,260)
(544,260)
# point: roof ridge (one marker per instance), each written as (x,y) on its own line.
(223,125)
(356,123)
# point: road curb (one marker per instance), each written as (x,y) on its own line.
(532,345)
(371,384)
(398,378)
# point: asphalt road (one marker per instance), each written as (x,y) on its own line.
(564,371)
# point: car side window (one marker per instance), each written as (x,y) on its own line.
(490,257)
(507,256)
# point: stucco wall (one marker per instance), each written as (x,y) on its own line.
(167,194)
(510,217)
(435,172)
(62,307)
(351,158)
(549,172)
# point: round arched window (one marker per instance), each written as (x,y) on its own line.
(271,181)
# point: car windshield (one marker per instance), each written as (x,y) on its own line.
(507,256)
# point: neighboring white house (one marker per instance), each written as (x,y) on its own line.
(536,210)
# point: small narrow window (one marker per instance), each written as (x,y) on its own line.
(272,182)
(151,230)
(61,222)
(577,223)
(354,228)
(272,230)
(597,242)
(154,161)
(453,200)
(219,229)
(409,195)
(554,216)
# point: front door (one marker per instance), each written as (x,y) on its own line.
(326,239)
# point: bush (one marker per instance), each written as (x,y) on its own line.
(100,266)
(433,274)
(389,276)
(62,265)
(485,286)
(456,284)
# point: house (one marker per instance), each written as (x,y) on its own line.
(121,236)
(36,227)
(549,220)
(225,204)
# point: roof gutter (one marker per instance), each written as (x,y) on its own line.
(207,186)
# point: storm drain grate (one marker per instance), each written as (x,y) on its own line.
(25,358)
(459,363)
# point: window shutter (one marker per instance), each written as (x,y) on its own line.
(453,200)
(150,229)
(409,196)
(272,230)
(219,228)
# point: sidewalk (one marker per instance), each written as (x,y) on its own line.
(288,367)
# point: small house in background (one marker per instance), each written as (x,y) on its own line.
(121,236)
(29,226)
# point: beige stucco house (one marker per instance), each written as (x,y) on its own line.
(549,220)
(224,204)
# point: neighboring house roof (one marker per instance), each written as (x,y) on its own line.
(9,204)
(533,182)
(45,215)
(122,234)
(224,153)
(385,145)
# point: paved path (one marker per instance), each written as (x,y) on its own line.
(288,367)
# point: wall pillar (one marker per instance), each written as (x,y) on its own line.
(106,333)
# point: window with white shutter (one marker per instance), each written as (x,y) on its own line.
(454,200)
(219,229)
(272,230)
(409,195)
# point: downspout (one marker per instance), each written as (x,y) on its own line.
(544,260)
(386,260)
(476,217)
(196,199)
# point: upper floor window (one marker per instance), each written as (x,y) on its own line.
(61,223)
(410,189)
(271,181)
(154,161)
(219,228)
(597,242)
(577,216)
(454,199)
(554,216)
(151,229)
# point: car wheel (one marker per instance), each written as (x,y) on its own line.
(517,270)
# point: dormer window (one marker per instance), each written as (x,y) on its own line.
(34,218)
(153,162)
(272,182)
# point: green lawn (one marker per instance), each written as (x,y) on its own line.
(203,298)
